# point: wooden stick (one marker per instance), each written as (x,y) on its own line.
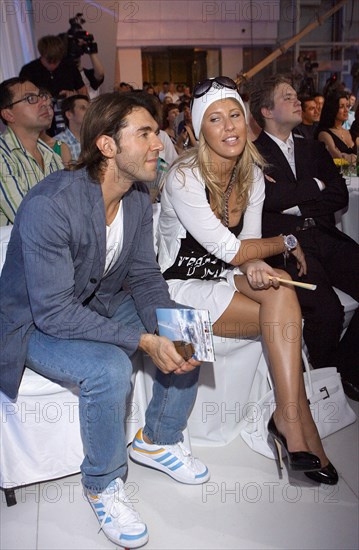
(295,283)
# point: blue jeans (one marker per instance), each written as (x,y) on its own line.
(103,374)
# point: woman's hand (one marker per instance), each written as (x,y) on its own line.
(259,274)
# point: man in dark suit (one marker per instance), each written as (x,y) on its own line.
(80,287)
(310,118)
(303,191)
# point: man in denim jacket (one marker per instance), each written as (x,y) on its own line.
(80,287)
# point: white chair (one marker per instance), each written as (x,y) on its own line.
(225,387)
(349,304)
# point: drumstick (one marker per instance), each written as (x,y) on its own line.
(295,283)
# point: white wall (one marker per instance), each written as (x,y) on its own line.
(129,67)
(232,61)
(228,25)
(197,23)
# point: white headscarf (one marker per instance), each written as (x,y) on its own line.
(201,104)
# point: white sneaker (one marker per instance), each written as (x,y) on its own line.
(174,460)
(118,519)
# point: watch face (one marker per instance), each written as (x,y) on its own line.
(291,241)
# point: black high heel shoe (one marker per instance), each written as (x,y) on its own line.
(327,475)
(300,461)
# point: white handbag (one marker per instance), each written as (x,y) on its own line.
(329,406)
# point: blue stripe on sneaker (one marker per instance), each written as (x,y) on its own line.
(176,466)
(202,475)
(100,515)
(163,457)
(170,461)
(133,537)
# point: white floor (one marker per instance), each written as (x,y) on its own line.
(243,506)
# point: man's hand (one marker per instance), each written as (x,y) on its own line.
(298,253)
(164,354)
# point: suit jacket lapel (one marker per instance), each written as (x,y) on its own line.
(99,226)
(274,155)
(131,213)
(98,219)
(130,223)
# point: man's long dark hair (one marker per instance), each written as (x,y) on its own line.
(107,116)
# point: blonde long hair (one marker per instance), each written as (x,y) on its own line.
(199,158)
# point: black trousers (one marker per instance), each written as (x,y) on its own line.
(332,261)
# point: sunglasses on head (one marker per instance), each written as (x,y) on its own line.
(203,87)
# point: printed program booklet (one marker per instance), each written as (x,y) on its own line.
(188,326)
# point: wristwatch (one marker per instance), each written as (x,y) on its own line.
(290,242)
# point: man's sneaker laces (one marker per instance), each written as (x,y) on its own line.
(118,519)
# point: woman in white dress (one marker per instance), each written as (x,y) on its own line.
(211,253)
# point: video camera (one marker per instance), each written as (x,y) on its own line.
(79,41)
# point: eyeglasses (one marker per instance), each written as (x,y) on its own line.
(203,87)
(32,99)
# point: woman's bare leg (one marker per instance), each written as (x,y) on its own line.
(276,315)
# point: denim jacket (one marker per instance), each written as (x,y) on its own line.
(53,278)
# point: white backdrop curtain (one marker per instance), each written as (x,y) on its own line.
(16,37)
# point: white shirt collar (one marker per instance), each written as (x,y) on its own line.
(289,142)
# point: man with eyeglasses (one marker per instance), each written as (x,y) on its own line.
(24,158)
(303,191)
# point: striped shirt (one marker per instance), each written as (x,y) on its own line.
(19,171)
(74,145)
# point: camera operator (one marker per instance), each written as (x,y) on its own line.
(80,42)
(55,73)
(308,85)
(93,78)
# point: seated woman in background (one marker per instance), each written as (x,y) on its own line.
(338,141)
(354,129)
(210,252)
